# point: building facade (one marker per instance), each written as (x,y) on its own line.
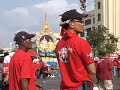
(106,12)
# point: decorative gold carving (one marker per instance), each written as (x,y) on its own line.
(46,40)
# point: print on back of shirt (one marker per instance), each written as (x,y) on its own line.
(64,54)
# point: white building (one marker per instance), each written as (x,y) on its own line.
(106,13)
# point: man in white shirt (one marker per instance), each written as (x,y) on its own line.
(8,57)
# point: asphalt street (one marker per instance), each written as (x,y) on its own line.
(54,83)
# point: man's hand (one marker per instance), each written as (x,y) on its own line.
(24,84)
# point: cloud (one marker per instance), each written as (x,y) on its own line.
(20,17)
(56,6)
(32,17)
(19,11)
(28,16)
(90,5)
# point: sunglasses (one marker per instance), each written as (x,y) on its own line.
(78,21)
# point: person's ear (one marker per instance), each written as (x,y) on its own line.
(23,42)
(71,24)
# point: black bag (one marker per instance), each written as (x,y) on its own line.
(87,85)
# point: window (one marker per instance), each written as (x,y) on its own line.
(93,19)
(88,30)
(99,17)
(93,28)
(99,27)
(99,5)
(87,22)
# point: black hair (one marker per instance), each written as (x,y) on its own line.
(65,26)
(6,53)
(102,54)
(118,56)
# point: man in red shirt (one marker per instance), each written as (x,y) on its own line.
(118,66)
(74,54)
(105,73)
(22,72)
(114,64)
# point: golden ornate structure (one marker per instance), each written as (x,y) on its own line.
(46,40)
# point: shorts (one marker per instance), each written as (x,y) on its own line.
(105,85)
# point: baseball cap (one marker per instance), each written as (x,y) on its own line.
(71,15)
(118,56)
(22,35)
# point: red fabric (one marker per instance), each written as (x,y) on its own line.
(72,52)
(32,53)
(44,65)
(114,63)
(37,66)
(5,71)
(41,65)
(21,66)
(96,65)
(104,67)
(5,68)
(118,63)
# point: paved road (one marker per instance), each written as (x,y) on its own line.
(53,83)
(116,83)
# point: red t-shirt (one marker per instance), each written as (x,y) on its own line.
(37,66)
(73,54)
(104,68)
(42,65)
(21,66)
(118,63)
(114,63)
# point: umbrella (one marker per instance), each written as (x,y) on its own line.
(32,53)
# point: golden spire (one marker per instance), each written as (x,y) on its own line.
(46,27)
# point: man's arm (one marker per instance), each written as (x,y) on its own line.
(112,75)
(92,71)
(24,84)
(111,70)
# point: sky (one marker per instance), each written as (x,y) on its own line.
(29,16)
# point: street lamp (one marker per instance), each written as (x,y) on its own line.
(83,6)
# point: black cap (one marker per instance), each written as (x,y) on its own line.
(22,35)
(118,56)
(72,14)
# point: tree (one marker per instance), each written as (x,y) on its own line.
(102,41)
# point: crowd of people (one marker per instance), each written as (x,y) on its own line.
(21,68)
(79,70)
(106,70)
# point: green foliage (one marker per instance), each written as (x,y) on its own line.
(102,41)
